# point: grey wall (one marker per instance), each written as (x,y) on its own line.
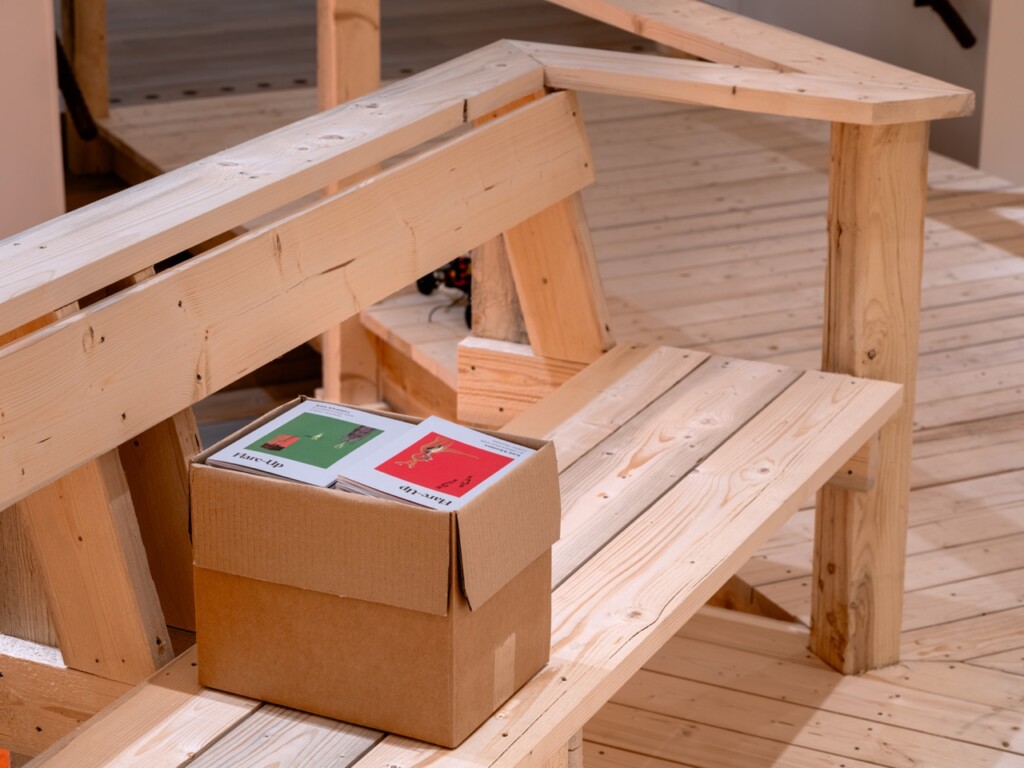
(898,32)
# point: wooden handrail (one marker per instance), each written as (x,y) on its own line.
(747,89)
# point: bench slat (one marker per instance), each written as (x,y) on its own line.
(622,476)
(613,613)
(277,736)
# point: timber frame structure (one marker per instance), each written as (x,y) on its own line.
(102,357)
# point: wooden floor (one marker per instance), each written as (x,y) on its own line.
(709,228)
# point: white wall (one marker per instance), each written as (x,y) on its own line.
(31,176)
(1002,140)
(900,33)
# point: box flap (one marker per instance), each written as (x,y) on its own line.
(510,525)
(324,540)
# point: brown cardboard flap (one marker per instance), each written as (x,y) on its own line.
(508,527)
(319,539)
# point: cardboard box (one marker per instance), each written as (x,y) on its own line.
(410,620)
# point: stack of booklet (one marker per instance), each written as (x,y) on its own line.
(436,463)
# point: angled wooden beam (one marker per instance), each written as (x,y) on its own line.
(877,191)
(722,36)
(85,41)
(84,251)
(746,89)
(92,566)
(42,700)
(191,328)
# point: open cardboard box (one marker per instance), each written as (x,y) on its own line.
(410,620)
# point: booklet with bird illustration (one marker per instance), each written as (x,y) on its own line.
(310,443)
(436,464)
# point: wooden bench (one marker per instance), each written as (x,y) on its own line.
(104,359)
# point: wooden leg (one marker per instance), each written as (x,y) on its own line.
(872,307)
(85,41)
(569,755)
(348,66)
(23,603)
(496,310)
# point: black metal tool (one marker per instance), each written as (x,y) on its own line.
(953,19)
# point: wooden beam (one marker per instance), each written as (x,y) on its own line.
(57,263)
(102,598)
(496,310)
(348,66)
(719,35)
(554,267)
(877,192)
(92,566)
(24,612)
(499,380)
(861,472)
(746,89)
(191,328)
(85,42)
(41,701)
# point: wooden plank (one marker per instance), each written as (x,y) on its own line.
(277,736)
(604,396)
(622,605)
(1008,661)
(966,639)
(606,489)
(818,687)
(499,380)
(40,702)
(872,305)
(716,34)
(102,598)
(100,244)
(618,735)
(811,727)
(162,723)
(313,268)
(554,267)
(748,89)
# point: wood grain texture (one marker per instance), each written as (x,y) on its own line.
(496,310)
(84,38)
(499,380)
(162,723)
(617,609)
(193,325)
(553,265)
(100,244)
(747,89)
(24,609)
(277,736)
(872,320)
(40,703)
(102,598)
(719,35)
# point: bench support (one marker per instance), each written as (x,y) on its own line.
(348,66)
(877,196)
(85,42)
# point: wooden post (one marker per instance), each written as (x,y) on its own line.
(85,41)
(877,196)
(348,66)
